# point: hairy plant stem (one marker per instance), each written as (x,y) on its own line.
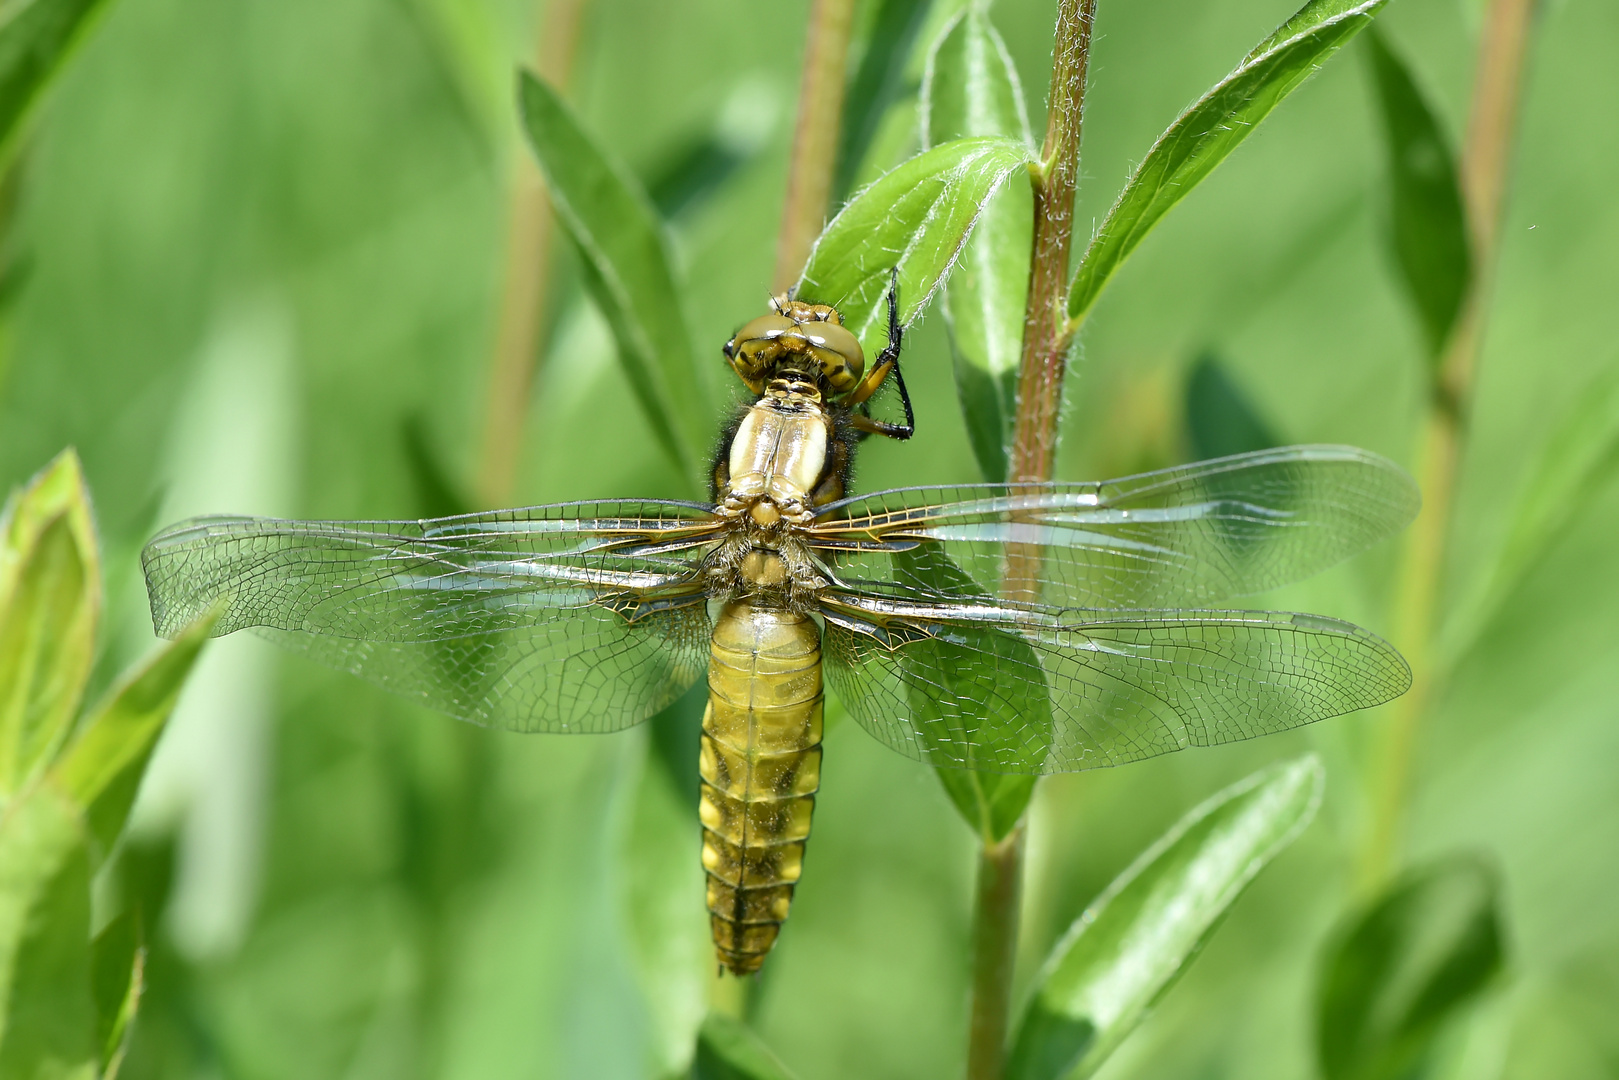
(995,931)
(1044,363)
(1485,161)
(1045,334)
(815,137)
(524,311)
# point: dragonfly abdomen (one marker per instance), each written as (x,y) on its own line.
(761,766)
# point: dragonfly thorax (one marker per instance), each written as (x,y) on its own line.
(779,457)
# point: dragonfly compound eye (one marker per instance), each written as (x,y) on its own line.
(756,348)
(838,352)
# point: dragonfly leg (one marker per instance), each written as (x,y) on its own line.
(887,362)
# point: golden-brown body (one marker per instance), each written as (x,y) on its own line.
(761,766)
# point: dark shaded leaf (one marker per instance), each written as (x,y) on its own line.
(875,84)
(1411,962)
(728,1049)
(915,220)
(1128,948)
(437,494)
(1426,220)
(35,39)
(971,88)
(1220,420)
(117,965)
(50,605)
(1207,132)
(627,269)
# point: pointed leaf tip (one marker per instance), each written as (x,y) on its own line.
(1128,948)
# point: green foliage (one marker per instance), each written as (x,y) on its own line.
(876,83)
(971,89)
(727,1049)
(1220,420)
(1208,131)
(992,803)
(35,39)
(914,223)
(1134,941)
(1426,220)
(627,268)
(65,1004)
(1402,969)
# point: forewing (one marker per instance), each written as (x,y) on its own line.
(1038,691)
(1187,536)
(576,617)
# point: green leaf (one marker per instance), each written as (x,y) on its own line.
(47,1018)
(117,966)
(668,926)
(50,604)
(1211,129)
(1128,948)
(627,269)
(1579,459)
(970,88)
(1426,220)
(876,83)
(1220,420)
(1019,706)
(915,219)
(35,40)
(727,1049)
(101,769)
(1419,955)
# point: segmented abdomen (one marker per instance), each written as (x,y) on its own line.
(761,765)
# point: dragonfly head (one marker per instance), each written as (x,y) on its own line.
(798,338)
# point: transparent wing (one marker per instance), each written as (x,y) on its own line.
(1187,536)
(1037,691)
(574,617)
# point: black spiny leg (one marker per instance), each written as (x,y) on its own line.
(887,361)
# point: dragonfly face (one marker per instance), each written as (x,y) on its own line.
(1027,628)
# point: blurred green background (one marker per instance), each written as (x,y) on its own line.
(258,252)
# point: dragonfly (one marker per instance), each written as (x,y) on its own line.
(1014,628)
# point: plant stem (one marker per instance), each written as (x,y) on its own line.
(523,307)
(1034,444)
(815,138)
(1045,337)
(995,931)
(1485,159)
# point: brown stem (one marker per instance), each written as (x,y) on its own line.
(523,308)
(1034,443)
(1497,88)
(815,138)
(1045,337)
(995,931)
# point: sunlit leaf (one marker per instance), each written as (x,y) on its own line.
(102,768)
(50,604)
(1019,709)
(47,1017)
(1581,456)
(35,39)
(1220,420)
(876,83)
(1129,946)
(727,1049)
(971,88)
(1427,224)
(1207,132)
(1419,955)
(627,269)
(915,220)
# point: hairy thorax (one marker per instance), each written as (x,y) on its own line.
(779,467)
